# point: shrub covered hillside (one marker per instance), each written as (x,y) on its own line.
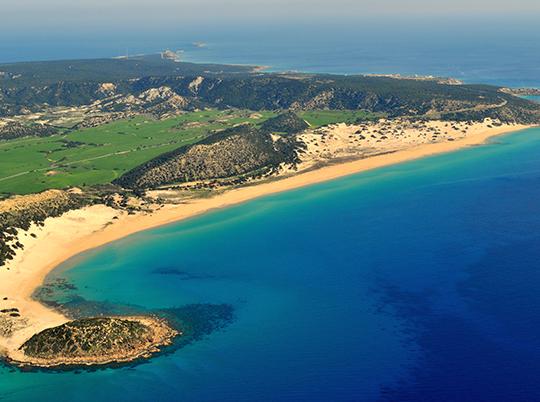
(288,123)
(236,153)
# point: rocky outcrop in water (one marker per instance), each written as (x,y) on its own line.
(96,341)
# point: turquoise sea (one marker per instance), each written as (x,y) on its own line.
(415,282)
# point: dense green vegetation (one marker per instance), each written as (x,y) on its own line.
(285,123)
(29,86)
(101,154)
(319,118)
(20,75)
(18,130)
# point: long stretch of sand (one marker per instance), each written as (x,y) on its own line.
(78,231)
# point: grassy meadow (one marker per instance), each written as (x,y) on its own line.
(99,155)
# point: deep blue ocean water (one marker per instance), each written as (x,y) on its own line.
(416,282)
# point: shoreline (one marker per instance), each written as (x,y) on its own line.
(92,227)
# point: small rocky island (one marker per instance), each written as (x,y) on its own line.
(96,341)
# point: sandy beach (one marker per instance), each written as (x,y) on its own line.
(84,229)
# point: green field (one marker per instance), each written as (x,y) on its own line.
(99,155)
(319,118)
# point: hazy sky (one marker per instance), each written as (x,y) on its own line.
(26,14)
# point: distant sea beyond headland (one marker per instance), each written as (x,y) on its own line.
(479,54)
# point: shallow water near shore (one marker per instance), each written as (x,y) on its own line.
(412,282)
